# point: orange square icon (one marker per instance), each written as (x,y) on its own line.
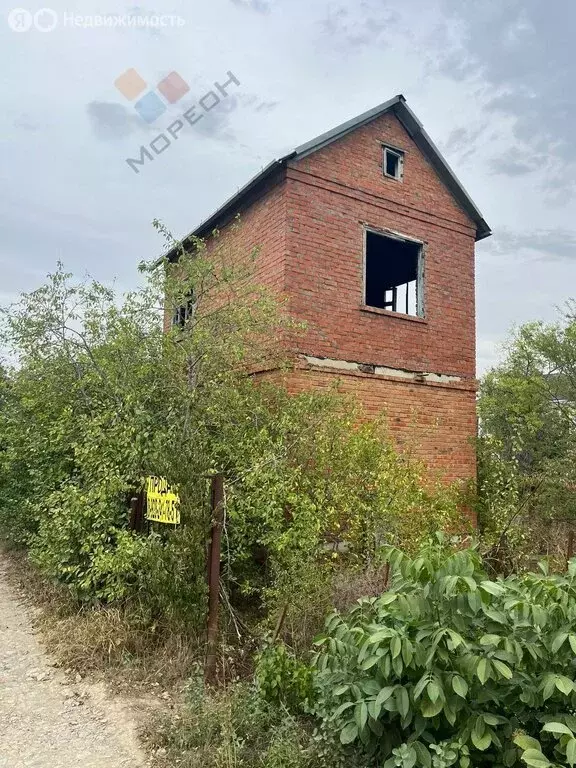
(130,84)
(173,87)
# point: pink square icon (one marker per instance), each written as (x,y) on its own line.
(173,87)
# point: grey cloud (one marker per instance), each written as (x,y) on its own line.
(545,244)
(517,162)
(267,106)
(363,27)
(216,123)
(252,101)
(524,51)
(113,121)
(461,142)
(25,123)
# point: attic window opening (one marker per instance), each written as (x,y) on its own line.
(393,163)
(394,274)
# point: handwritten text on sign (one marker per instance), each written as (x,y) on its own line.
(162,504)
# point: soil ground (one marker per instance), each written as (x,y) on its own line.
(49,719)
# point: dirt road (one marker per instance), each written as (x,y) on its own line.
(46,721)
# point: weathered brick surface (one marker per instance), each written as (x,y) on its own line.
(332,194)
(433,422)
(310,231)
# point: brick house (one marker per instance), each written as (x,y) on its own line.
(370,236)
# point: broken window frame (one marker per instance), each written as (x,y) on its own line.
(399,155)
(183,313)
(420,281)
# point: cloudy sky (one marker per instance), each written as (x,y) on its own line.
(492,81)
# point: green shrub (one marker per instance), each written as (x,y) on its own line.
(101,396)
(282,679)
(451,668)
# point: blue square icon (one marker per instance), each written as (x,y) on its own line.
(150,107)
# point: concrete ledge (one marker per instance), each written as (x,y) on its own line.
(348,367)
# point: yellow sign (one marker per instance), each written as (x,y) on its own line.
(162,504)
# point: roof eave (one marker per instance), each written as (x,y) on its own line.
(413,126)
(230,206)
(423,141)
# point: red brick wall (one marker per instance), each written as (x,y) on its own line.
(331,195)
(436,423)
(310,230)
(263,226)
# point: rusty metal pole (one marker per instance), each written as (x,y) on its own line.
(214,576)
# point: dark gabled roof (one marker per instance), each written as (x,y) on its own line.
(413,126)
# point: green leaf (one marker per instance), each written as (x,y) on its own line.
(503,669)
(460,686)
(572,641)
(349,733)
(571,752)
(403,701)
(490,719)
(423,754)
(482,670)
(407,652)
(361,714)
(526,742)
(433,690)
(535,759)
(481,742)
(409,760)
(421,685)
(564,684)
(385,694)
(497,616)
(369,662)
(548,687)
(557,728)
(387,598)
(493,588)
(371,687)
(342,708)
(396,647)
(559,641)
(431,709)
(540,615)
(490,639)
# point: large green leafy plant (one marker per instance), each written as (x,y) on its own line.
(449,667)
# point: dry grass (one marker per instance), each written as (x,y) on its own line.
(350,585)
(115,642)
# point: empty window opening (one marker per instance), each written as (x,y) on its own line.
(393,163)
(183,313)
(393,274)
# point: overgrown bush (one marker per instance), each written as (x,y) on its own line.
(99,395)
(527,446)
(451,668)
